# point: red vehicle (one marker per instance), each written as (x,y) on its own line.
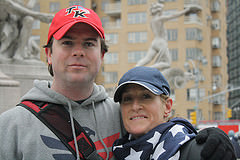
(225,125)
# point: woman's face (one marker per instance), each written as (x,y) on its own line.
(142,110)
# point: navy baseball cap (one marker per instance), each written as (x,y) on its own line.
(148,77)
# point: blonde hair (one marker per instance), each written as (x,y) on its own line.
(164,97)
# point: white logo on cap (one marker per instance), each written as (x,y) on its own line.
(78,11)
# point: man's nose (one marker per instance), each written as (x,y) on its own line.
(78,51)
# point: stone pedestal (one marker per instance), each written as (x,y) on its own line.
(9,92)
(23,74)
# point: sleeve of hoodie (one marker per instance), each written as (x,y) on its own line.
(9,133)
(18,135)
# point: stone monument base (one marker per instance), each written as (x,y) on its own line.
(21,76)
(9,92)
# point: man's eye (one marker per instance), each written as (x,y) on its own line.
(67,42)
(88,44)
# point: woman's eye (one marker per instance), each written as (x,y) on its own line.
(126,99)
(146,96)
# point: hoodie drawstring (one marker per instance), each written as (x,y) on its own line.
(73,130)
(99,136)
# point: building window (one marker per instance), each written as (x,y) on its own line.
(135,56)
(193,34)
(217,115)
(103,5)
(217,80)
(135,2)
(36,24)
(174,54)
(110,77)
(215,6)
(36,39)
(172,34)
(111,58)
(137,37)
(78,2)
(54,7)
(216,61)
(105,21)
(170,12)
(137,18)
(36,7)
(193,53)
(216,42)
(216,24)
(112,38)
(192,93)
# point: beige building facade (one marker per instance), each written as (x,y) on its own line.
(193,40)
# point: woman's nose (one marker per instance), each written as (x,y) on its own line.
(136,105)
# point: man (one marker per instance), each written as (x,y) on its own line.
(75,50)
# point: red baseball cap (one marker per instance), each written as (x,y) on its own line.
(66,18)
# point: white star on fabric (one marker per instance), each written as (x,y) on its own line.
(175,129)
(159,150)
(134,155)
(185,140)
(175,157)
(154,139)
(115,147)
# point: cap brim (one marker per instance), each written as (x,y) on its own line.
(62,31)
(148,86)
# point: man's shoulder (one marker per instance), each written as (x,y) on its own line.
(109,103)
(10,112)
(14,116)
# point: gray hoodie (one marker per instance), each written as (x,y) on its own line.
(25,137)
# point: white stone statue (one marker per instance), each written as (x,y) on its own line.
(15,29)
(159,46)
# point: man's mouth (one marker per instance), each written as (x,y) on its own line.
(77,65)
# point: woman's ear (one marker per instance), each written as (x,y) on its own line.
(168,108)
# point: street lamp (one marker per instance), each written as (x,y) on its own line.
(201,60)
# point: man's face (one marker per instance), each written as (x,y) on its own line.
(141,110)
(76,57)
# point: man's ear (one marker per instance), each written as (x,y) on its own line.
(102,55)
(49,55)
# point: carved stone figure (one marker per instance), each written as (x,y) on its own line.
(159,46)
(15,29)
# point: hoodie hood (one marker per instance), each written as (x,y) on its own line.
(42,92)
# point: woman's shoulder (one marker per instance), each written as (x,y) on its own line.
(191,150)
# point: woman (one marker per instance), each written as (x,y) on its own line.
(143,93)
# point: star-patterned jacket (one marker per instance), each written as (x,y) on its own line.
(161,143)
